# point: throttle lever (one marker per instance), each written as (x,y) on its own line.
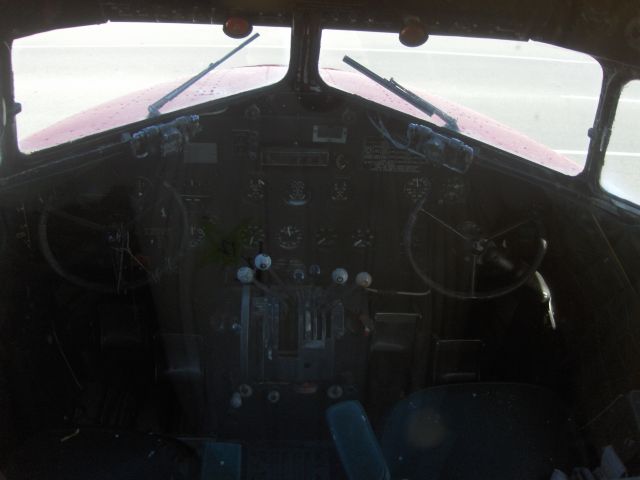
(546,298)
(337,291)
(362,282)
(340,276)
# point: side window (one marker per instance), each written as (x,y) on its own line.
(621,172)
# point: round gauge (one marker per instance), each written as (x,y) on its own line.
(340,190)
(252,236)
(297,193)
(342,161)
(326,238)
(289,237)
(362,238)
(256,189)
(197,236)
(417,188)
(454,190)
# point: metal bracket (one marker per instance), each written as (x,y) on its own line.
(164,139)
(440,149)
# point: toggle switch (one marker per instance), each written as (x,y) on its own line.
(262,262)
(245,275)
(364,279)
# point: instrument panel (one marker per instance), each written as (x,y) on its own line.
(314,191)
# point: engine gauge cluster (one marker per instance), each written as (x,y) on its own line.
(332,205)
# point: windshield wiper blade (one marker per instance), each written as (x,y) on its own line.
(154,108)
(404,93)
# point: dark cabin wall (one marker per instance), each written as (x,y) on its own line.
(34,390)
(5,293)
(600,303)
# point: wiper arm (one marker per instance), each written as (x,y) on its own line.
(154,108)
(402,92)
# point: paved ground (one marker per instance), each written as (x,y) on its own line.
(548,94)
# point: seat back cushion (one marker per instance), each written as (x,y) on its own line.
(477,431)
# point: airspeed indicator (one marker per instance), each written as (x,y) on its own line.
(289,237)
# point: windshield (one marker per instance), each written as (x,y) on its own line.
(547,93)
(60,73)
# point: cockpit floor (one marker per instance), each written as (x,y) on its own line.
(312,461)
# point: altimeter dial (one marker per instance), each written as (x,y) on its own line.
(252,236)
(289,237)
